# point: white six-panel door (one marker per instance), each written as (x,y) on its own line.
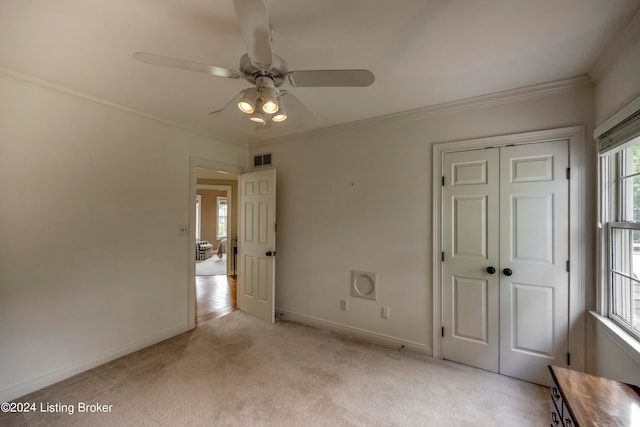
(534,245)
(257,235)
(470,228)
(505,242)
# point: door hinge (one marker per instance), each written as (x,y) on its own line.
(442,256)
(275,227)
(443,180)
(568,266)
(568,359)
(568,173)
(442,332)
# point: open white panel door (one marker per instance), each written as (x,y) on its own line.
(257,244)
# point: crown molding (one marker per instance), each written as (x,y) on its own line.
(18,75)
(474,103)
(624,41)
(478,102)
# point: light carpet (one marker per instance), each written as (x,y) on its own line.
(240,371)
(212,266)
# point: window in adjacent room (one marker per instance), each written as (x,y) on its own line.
(222,218)
(198,215)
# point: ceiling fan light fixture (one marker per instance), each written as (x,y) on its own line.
(245,107)
(269,98)
(247,103)
(258,116)
(270,107)
(281,114)
(268,94)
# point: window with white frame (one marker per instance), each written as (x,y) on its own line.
(222,218)
(198,216)
(620,209)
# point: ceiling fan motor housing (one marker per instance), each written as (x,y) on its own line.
(276,73)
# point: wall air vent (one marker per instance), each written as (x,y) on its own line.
(262,160)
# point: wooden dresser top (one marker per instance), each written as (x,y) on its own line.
(596,401)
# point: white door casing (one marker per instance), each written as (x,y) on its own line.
(506,209)
(256,245)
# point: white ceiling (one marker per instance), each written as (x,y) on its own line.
(422,52)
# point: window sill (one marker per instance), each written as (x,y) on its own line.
(626,342)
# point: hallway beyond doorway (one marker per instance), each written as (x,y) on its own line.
(215,297)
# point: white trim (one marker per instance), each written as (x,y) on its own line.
(477,102)
(17,390)
(194,163)
(578,251)
(619,336)
(618,117)
(474,103)
(219,187)
(363,334)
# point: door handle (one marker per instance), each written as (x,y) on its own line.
(507,272)
(271,253)
(491,270)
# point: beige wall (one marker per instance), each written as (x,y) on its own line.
(359,198)
(111,269)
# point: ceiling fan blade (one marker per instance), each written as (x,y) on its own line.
(229,107)
(254,25)
(166,61)
(299,113)
(330,78)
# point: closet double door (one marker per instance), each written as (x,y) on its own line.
(505,239)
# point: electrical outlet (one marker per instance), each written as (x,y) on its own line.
(344,305)
(385,312)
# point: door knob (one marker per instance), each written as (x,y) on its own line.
(507,272)
(271,253)
(491,270)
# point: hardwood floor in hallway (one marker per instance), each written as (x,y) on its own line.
(215,297)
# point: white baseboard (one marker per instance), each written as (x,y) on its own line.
(363,334)
(17,390)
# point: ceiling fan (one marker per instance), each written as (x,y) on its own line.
(267,72)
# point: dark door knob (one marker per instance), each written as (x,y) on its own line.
(271,253)
(507,272)
(491,270)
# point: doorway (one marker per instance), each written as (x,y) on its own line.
(504,284)
(212,290)
(216,285)
(215,229)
